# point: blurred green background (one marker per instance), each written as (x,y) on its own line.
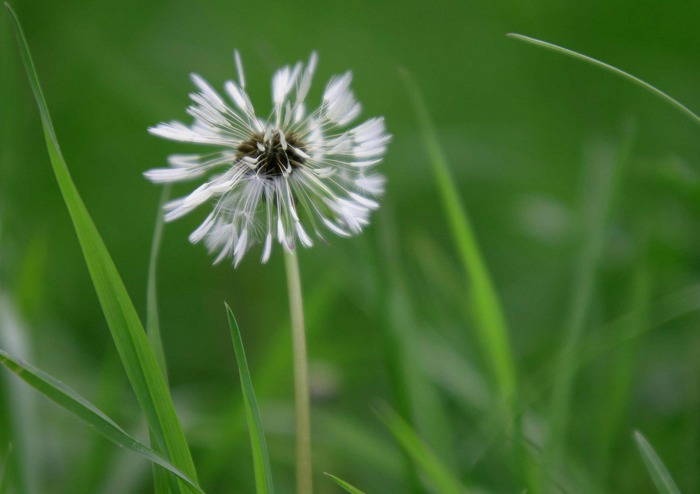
(532,139)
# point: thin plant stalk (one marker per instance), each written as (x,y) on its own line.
(610,68)
(152,318)
(161,479)
(301,376)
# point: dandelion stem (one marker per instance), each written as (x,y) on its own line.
(301,376)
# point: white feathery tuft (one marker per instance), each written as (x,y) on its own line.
(260,171)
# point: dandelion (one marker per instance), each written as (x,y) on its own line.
(278,178)
(275,178)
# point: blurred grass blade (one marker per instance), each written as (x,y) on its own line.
(4,469)
(12,139)
(619,390)
(21,426)
(603,174)
(490,320)
(663,480)
(261,460)
(433,468)
(152,319)
(355,445)
(31,277)
(625,75)
(161,480)
(416,397)
(348,488)
(99,462)
(129,336)
(84,410)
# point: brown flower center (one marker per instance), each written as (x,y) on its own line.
(272,157)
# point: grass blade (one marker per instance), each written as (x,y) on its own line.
(416,398)
(435,471)
(351,443)
(275,362)
(12,141)
(490,320)
(261,460)
(87,412)
(161,480)
(127,331)
(663,480)
(624,360)
(603,176)
(625,75)
(22,428)
(348,488)
(152,319)
(4,484)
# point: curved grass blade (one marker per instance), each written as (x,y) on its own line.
(348,488)
(261,460)
(161,480)
(433,468)
(127,331)
(86,411)
(663,480)
(152,319)
(490,320)
(625,75)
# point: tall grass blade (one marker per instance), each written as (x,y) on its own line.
(623,363)
(261,460)
(22,428)
(662,478)
(275,362)
(161,480)
(435,471)
(417,398)
(9,130)
(86,411)
(4,484)
(348,488)
(625,75)
(603,175)
(490,320)
(98,462)
(152,319)
(31,278)
(130,339)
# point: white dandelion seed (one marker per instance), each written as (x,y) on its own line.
(276,178)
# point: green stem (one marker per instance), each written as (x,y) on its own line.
(301,376)
(626,75)
(152,318)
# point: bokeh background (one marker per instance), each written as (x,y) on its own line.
(534,143)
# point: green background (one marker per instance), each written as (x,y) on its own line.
(526,133)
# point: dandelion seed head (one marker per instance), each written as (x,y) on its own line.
(287,177)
